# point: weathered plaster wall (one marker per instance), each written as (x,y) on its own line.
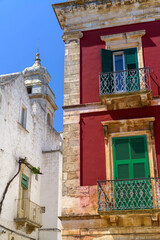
(19,142)
(16,142)
(90,57)
(51,187)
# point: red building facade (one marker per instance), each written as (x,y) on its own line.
(93,154)
(111,162)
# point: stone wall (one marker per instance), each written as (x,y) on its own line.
(27,142)
(80,219)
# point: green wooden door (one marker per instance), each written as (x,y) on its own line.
(130,157)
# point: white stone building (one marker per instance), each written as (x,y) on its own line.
(31,204)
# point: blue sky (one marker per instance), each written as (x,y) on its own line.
(22,24)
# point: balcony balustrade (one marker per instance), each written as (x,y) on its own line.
(128,81)
(29,213)
(129,194)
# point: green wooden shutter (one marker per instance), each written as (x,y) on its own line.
(123,171)
(132,153)
(121,158)
(139,170)
(106,61)
(137,148)
(122,149)
(107,66)
(139,156)
(24,181)
(130,158)
(131,60)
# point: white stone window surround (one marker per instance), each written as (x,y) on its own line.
(126,40)
(122,125)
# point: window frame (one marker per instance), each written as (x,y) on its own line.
(130,161)
(24,193)
(23,121)
(115,54)
(126,40)
(110,133)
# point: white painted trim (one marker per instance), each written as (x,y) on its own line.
(116,54)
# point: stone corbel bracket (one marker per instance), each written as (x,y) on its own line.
(72,37)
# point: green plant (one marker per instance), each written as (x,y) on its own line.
(36,170)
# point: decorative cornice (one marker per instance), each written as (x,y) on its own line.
(9,77)
(85,15)
(45,96)
(122,36)
(72,36)
(128,121)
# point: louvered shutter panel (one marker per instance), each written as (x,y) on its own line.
(131,60)
(106,61)
(122,149)
(131,63)
(24,181)
(139,170)
(121,158)
(123,171)
(137,148)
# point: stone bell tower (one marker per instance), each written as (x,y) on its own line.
(36,80)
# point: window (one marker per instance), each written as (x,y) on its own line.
(131,163)
(118,61)
(24,184)
(23,116)
(122,67)
(27,210)
(122,141)
(130,157)
(127,76)
(126,40)
(29,90)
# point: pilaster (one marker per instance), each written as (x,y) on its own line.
(72,67)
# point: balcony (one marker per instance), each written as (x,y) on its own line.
(125,89)
(29,214)
(128,195)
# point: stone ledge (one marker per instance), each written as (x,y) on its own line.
(79,217)
(72,15)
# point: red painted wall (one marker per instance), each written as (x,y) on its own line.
(93,166)
(91,44)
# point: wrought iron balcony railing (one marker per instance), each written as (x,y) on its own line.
(130,194)
(128,81)
(29,211)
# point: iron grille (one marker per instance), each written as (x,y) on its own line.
(128,81)
(128,194)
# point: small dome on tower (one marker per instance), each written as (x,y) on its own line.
(37,70)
